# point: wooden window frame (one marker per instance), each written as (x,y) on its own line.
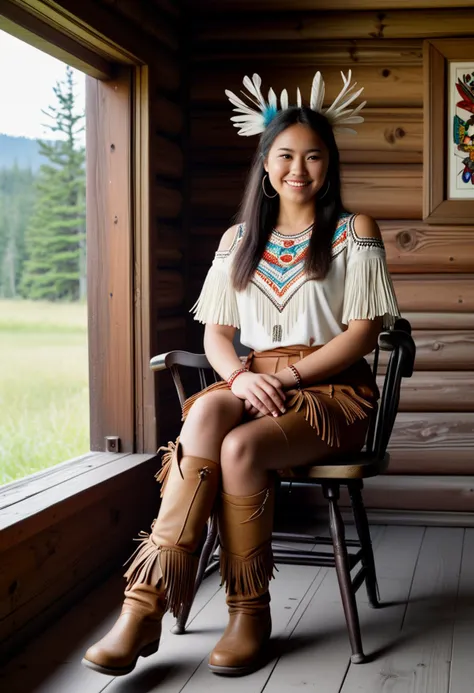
(122,401)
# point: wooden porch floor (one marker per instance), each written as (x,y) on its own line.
(422,641)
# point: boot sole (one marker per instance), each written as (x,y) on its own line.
(236,671)
(122,671)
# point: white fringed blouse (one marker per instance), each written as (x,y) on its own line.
(282,307)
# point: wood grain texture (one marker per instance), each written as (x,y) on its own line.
(440,461)
(353,52)
(109,262)
(284,26)
(417,247)
(449,350)
(440,321)
(385,86)
(432,430)
(166,201)
(250,6)
(167,116)
(435,292)
(438,391)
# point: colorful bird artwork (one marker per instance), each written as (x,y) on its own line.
(463,130)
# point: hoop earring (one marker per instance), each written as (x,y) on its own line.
(326,191)
(270,197)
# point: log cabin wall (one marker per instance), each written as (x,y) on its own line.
(432,266)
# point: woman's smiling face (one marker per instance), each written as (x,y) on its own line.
(297,164)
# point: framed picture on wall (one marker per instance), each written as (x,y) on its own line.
(448,161)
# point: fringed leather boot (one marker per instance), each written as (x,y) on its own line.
(245,530)
(163,568)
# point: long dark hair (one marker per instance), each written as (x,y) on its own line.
(260,213)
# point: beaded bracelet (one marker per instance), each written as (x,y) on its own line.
(235,374)
(296,376)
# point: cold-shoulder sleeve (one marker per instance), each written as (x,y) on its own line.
(368,291)
(217,302)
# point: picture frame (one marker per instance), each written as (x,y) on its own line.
(448,147)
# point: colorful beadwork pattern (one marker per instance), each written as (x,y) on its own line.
(281,273)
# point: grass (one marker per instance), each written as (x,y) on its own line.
(44,390)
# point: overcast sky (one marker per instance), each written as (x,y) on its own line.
(27,78)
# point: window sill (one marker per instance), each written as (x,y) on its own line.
(31,505)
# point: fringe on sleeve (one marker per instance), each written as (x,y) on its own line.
(217,303)
(369,291)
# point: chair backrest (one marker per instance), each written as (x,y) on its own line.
(398,341)
(401,362)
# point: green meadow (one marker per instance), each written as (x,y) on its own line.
(44,393)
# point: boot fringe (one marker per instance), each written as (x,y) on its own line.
(247,576)
(319,415)
(162,475)
(220,385)
(174,568)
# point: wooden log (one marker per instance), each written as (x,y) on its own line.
(322,53)
(433,430)
(385,192)
(316,26)
(428,461)
(437,350)
(388,86)
(167,203)
(417,247)
(437,391)
(440,321)
(166,158)
(435,292)
(249,6)
(167,116)
(386,136)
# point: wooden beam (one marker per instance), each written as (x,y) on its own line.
(318,26)
(250,6)
(433,430)
(148,16)
(440,321)
(388,86)
(435,292)
(441,350)
(431,461)
(413,246)
(299,52)
(428,391)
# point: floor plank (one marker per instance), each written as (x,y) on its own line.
(418,661)
(462,665)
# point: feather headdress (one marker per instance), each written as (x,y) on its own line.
(254,118)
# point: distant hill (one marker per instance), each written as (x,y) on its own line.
(20,150)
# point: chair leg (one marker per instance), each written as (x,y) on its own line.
(363,531)
(209,546)
(336,526)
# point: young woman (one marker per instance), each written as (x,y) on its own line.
(306,282)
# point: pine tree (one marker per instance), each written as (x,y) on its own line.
(55,237)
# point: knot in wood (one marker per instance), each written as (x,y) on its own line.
(399,133)
(406,240)
(437,346)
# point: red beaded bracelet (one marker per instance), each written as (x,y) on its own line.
(296,376)
(235,374)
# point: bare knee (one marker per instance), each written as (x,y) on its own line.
(216,412)
(237,454)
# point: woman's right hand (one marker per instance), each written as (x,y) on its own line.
(263,391)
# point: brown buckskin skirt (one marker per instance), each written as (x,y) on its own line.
(336,411)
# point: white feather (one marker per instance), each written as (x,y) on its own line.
(298,98)
(272,98)
(284,99)
(317,93)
